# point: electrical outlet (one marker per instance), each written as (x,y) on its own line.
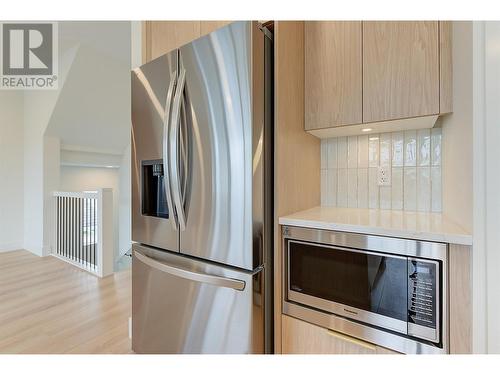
(384,176)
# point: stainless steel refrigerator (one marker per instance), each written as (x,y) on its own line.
(202,205)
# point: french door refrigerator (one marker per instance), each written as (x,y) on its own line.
(202,205)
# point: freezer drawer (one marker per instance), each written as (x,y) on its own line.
(181,305)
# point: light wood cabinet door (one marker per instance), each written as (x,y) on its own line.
(445,67)
(300,337)
(160,37)
(400,69)
(206,27)
(165,36)
(460,285)
(333,74)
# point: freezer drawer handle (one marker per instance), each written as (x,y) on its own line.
(191,275)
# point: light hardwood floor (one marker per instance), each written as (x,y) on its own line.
(49,306)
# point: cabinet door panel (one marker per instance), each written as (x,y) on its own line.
(446,67)
(333,84)
(300,337)
(400,70)
(164,36)
(206,27)
(460,299)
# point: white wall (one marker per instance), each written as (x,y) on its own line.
(125,202)
(78,158)
(29,152)
(38,107)
(93,110)
(482,91)
(136,44)
(487,187)
(83,178)
(51,175)
(92,103)
(479,326)
(11,171)
(492,117)
(125,208)
(33,177)
(97,129)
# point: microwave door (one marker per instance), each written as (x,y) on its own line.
(356,284)
(216,151)
(153,214)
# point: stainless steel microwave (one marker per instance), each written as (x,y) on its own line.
(396,286)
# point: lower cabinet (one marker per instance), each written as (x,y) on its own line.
(299,337)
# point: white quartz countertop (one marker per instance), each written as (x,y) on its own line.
(404,224)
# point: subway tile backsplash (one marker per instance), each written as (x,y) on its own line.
(349,170)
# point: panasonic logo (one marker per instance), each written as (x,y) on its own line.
(350,311)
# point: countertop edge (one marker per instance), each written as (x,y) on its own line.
(450,238)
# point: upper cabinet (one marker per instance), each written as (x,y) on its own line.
(333,74)
(391,75)
(164,36)
(160,37)
(445,68)
(208,26)
(400,70)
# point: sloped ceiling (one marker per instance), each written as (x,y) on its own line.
(93,106)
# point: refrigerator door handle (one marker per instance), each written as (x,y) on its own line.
(219,281)
(166,169)
(174,150)
(184,155)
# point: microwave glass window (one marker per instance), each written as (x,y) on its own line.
(375,283)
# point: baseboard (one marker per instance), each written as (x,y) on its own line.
(32,248)
(46,251)
(11,246)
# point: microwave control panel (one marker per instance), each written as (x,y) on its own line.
(422,293)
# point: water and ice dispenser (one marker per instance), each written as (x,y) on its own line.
(154,200)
